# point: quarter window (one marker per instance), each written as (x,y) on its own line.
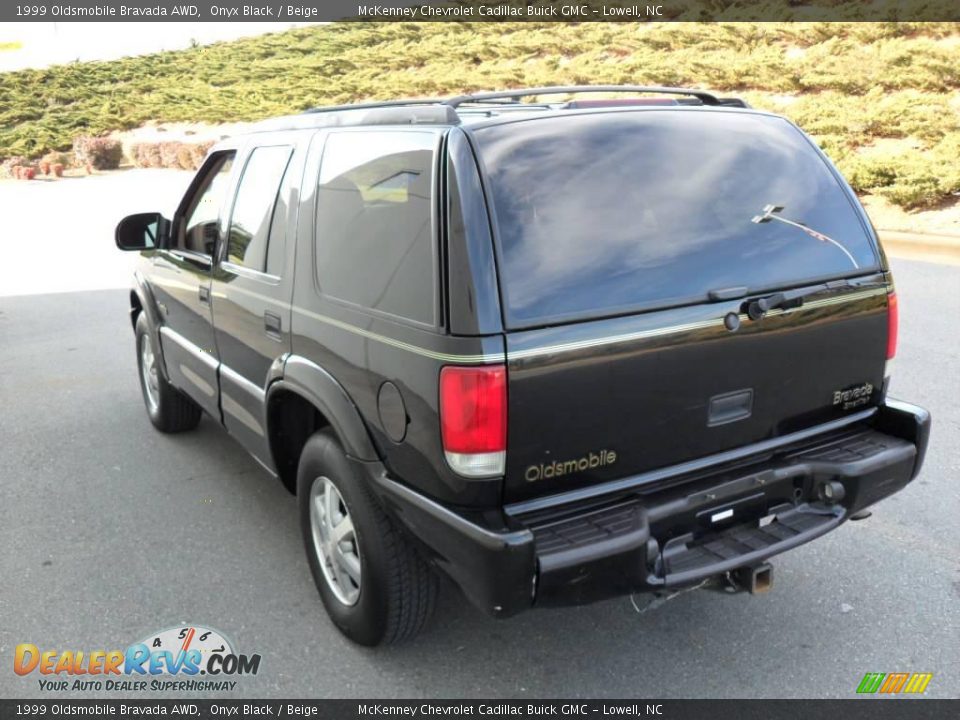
(375,244)
(254,210)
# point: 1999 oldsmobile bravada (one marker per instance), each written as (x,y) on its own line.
(556,350)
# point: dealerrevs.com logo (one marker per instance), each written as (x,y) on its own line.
(187,658)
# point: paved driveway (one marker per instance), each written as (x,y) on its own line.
(110,531)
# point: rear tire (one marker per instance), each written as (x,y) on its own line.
(169,410)
(373,582)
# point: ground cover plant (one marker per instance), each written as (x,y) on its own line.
(883,99)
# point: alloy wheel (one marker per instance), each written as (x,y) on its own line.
(335,541)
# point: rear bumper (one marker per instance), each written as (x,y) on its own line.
(677,533)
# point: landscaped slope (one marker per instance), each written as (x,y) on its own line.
(881,98)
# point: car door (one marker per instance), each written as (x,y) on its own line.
(253,284)
(181,277)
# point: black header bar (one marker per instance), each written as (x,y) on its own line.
(893,708)
(477,10)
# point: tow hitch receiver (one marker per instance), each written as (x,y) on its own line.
(755,578)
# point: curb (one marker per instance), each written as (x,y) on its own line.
(929,247)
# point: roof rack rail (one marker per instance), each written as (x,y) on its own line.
(512,97)
(375,104)
(413,111)
(705,97)
(388,113)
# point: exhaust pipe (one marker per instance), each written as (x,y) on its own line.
(756,579)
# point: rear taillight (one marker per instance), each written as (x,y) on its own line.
(893,323)
(473,419)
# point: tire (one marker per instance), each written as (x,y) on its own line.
(169,410)
(397,590)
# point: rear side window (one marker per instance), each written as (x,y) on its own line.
(253,211)
(374,230)
(605,213)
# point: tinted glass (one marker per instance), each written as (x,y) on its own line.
(374,222)
(198,232)
(277,244)
(606,212)
(253,208)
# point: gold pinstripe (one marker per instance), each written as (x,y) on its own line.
(615,339)
(688,327)
(562,347)
(417,350)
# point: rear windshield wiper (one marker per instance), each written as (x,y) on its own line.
(785,300)
(770,213)
(756,308)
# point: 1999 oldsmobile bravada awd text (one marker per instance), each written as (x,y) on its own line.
(557,351)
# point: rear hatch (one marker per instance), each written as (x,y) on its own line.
(633,247)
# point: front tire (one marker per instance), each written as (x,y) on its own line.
(169,410)
(374,585)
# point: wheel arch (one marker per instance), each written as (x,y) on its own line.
(136,307)
(142,303)
(141,300)
(306,398)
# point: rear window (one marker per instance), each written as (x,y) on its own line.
(605,213)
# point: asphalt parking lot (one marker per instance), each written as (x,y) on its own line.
(110,531)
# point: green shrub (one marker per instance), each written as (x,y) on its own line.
(56,157)
(913,180)
(914,191)
(866,174)
(848,84)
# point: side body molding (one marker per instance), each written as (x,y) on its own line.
(315,384)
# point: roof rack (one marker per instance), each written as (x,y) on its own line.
(395,112)
(444,110)
(701,95)
(376,104)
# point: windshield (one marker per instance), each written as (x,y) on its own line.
(610,212)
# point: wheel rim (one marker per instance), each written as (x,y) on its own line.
(335,541)
(148,373)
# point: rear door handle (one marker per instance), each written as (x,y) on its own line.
(205,294)
(273,325)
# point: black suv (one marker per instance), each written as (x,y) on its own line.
(556,350)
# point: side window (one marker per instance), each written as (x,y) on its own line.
(374,231)
(277,245)
(253,220)
(197,232)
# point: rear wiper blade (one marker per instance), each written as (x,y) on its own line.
(770,213)
(788,299)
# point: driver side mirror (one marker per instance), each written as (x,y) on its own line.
(143,231)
